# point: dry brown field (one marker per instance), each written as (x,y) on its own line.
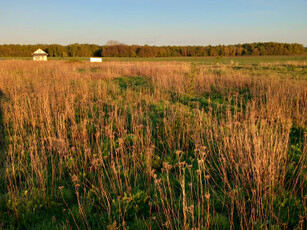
(153,145)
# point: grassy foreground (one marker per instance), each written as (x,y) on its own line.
(153,145)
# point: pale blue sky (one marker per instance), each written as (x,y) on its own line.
(153,22)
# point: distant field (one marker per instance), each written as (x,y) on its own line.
(163,143)
(214,60)
(200,60)
(293,66)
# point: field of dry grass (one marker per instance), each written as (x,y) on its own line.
(153,145)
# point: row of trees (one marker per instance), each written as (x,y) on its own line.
(120,50)
(54,50)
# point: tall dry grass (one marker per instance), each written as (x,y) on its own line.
(195,147)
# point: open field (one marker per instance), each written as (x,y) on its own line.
(200,60)
(172,143)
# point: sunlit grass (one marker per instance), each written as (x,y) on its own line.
(151,145)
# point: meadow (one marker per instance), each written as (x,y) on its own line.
(242,60)
(173,143)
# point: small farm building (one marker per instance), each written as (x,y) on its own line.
(40,55)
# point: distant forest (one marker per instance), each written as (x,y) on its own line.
(88,50)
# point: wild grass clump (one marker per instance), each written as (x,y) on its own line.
(151,145)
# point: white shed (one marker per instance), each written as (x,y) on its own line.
(40,55)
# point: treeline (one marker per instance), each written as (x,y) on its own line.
(54,50)
(88,50)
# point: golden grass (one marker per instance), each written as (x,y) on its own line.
(71,126)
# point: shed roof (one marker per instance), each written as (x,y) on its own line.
(39,52)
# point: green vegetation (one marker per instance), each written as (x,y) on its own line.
(202,143)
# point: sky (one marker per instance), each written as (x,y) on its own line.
(152,22)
